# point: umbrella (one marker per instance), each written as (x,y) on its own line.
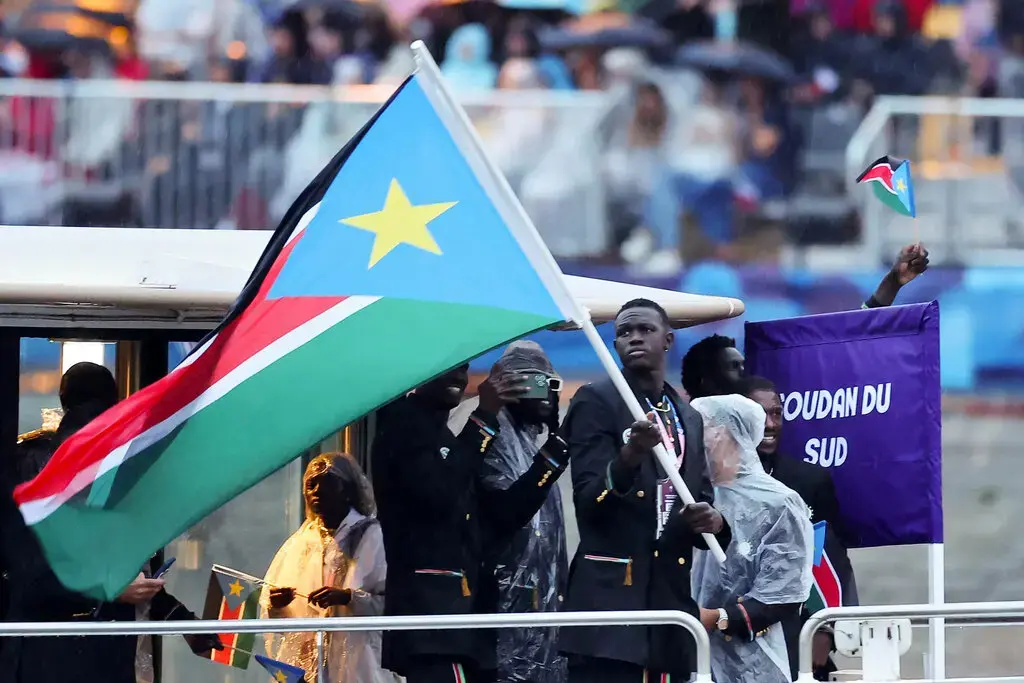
(441,13)
(57,41)
(561,7)
(738,58)
(354,10)
(605,29)
(62,29)
(111,18)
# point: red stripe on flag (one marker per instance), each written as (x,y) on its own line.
(260,324)
(881,173)
(827,580)
(229,639)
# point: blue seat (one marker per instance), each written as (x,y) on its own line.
(957,340)
(759,309)
(712,278)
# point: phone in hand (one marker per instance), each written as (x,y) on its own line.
(166,567)
(539,385)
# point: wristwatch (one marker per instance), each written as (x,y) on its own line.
(723,619)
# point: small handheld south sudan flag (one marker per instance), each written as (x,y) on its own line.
(230,598)
(827,590)
(281,672)
(891,182)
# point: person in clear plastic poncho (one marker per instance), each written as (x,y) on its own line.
(532,572)
(767,570)
(336,558)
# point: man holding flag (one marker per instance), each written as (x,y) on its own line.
(408,234)
(86,391)
(636,536)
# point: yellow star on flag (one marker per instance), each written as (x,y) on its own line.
(236,587)
(399,222)
(281,677)
(901,186)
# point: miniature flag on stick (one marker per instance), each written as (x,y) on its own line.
(891,182)
(827,590)
(281,672)
(229,598)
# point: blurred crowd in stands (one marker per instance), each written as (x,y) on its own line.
(777,88)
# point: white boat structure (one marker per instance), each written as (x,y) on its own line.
(144,288)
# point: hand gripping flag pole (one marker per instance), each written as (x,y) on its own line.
(497,187)
(667,463)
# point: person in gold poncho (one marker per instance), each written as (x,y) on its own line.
(333,566)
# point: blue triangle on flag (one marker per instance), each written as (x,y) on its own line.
(819,542)
(235,591)
(281,672)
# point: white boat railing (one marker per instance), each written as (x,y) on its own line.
(398,623)
(974,613)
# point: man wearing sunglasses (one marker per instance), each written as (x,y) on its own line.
(533,569)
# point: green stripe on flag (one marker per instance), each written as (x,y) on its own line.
(889,199)
(348,370)
(816,601)
(827,590)
(245,642)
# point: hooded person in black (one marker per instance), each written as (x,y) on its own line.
(532,572)
(86,391)
(443,527)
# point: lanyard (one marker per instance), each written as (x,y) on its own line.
(665,491)
(668,438)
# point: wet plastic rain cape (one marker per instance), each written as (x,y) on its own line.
(532,572)
(770,557)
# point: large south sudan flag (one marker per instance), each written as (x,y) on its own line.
(405,257)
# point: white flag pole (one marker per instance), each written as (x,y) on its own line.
(937,626)
(522,228)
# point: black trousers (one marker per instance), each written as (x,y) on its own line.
(592,670)
(438,670)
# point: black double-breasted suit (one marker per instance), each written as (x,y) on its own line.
(621,564)
(443,530)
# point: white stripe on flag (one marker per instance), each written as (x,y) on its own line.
(35,511)
(883,184)
(303,223)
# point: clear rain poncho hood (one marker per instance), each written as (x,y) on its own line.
(533,571)
(770,556)
(350,557)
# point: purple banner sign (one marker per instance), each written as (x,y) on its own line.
(861,397)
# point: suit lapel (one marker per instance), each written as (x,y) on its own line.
(691,474)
